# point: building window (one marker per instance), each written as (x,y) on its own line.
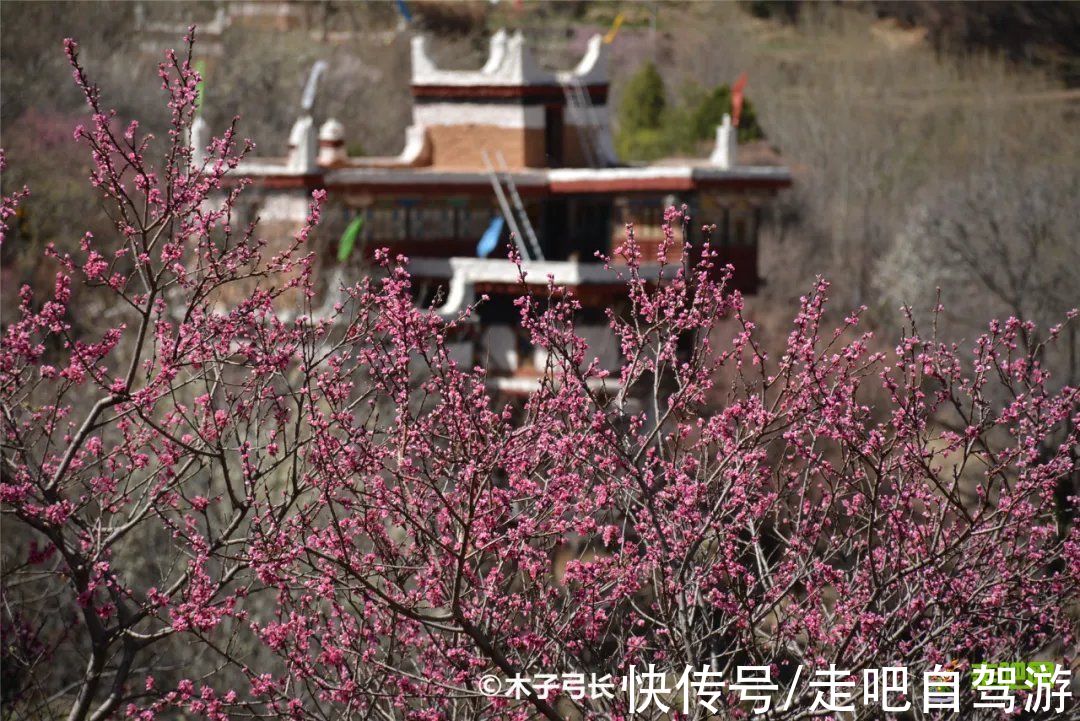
(744,224)
(740,233)
(410,220)
(647,215)
(472,222)
(431,223)
(386,224)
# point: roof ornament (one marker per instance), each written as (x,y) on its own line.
(497,52)
(723,155)
(199,138)
(303,146)
(332,150)
(593,66)
(303,137)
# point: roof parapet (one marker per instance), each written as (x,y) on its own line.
(415,154)
(509,63)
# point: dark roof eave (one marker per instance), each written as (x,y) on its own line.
(538,181)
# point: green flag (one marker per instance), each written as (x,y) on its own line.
(348,238)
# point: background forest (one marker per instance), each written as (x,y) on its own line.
(933,144)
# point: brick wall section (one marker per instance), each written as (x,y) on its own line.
(460,146)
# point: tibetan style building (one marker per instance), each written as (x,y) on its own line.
(512,153)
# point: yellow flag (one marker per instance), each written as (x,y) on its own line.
(614,29)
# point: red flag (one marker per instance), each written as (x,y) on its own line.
(737,99)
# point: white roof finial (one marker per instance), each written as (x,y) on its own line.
(303,146)
(497,54)
(332,144)
(200,138)
(726,150)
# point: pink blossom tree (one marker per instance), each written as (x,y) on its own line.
(343,522)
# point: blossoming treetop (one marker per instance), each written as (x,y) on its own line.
(219,509)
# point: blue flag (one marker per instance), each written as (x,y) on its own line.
(404,10)
(490,239)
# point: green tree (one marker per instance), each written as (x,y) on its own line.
(710,112)
(650,128)
(641,116)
